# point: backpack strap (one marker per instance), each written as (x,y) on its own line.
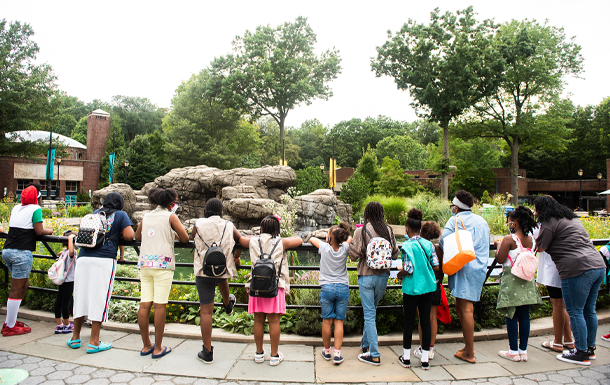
(427,256)
(260,245)
(208,246)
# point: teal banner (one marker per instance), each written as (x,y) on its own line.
(50,163)
(110,167)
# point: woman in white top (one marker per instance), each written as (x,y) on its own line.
(548,275)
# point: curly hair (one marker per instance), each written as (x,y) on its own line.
(414,218)
(270,225)
(374,214)
(525,218)
(465,197)
(162,197)
(547,207)
(340,232)
(213,207)
(430,230)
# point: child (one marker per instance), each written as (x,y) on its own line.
(418,286)
(269,308)
(431,230)
(157,265)
(335,286)
(516,295)
(66,289)
(209,230)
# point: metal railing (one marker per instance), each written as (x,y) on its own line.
(45,240)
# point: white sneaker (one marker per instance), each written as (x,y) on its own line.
(276,360)
(259,358)
(417,353)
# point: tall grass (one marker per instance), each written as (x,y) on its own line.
(434,208)
(392,206)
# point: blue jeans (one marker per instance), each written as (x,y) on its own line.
(518,328)
(580,296)
(371,289)
(333,300)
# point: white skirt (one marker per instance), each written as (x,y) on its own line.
(93,281)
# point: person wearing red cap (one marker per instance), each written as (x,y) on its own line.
(25,224)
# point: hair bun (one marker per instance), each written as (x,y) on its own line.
(416,214)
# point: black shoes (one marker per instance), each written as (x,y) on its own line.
(591,352)
(403,362)
(205,356)
(574,356)
(229,307)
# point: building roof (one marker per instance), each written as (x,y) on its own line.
(30,136)
(100,112)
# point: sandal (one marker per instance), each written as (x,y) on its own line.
(460,354)
(553,346)
(74,344)
(95,349)
(275,360)
(145,353)
(565,345)
(164,352)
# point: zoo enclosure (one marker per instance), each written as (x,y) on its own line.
(47,239)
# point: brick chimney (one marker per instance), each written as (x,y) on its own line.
(98,130)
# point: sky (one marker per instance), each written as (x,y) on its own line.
(147,48)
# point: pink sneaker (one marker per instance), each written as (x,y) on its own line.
(68,328)
(59,329)
(506,354)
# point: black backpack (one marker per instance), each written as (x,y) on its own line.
(214,260)
(265,280)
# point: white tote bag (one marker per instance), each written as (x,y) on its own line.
(458,249)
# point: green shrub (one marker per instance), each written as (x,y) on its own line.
(393,207)
(434,208)
(355,190)
(80,211)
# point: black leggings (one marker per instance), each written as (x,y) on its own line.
(423,303)
(64,299)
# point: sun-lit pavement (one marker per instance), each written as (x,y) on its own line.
(49,361)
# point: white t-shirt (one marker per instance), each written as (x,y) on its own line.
(548,275)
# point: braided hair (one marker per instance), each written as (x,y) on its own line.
(213,207)
(374,214)
(525,218)
(271,225)
(547,207)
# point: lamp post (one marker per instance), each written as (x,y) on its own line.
(58,187)
(580,182)
(599,187)
(322,168)
(126,167)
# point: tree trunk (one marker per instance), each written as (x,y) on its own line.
(282,143)
(444,175)
(514,170)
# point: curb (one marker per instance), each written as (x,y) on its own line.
(539,327)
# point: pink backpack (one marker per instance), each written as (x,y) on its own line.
(58,272)
(526,263)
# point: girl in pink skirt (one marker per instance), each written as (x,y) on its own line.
(270,308)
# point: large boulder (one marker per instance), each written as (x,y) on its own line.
(97,198)
(318,210)
(249,208)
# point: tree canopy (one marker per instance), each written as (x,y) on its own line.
(447,66)
(275,69)
(411,154)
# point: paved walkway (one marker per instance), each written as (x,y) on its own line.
(49,361)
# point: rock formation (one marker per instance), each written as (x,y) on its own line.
(248,195)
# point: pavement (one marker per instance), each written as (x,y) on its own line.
(47,359)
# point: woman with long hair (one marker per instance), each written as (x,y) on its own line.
(581,269)
(371,282)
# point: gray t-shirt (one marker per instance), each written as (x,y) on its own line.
(333,264)
(570,247)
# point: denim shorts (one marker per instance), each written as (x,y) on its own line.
(334,298)
(19,262)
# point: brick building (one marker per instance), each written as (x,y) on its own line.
(77,172)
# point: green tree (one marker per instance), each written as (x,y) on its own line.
(310,179)
(144,165)
(537,59)
(410,154)
(200,130)
(355,190)
(79,132)
(368,168)
(447,66)
(425,132)
(270,149)
(310,138)
(394,182)
(25,87)
(116,133)
(139,116)
(67,111)
(276,69)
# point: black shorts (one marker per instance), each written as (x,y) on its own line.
(206,287)
(554,292)
(436,296)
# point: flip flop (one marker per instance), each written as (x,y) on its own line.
(163,353)
(74,344)
(95,349)
(148,351)
(460,355)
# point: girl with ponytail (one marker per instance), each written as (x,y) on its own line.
(157,264)
(420,262)
(334,293)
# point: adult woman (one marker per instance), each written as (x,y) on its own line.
(157,264)
(371,282)
(581,269)
(467,283)
(94,275)
(24,225)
